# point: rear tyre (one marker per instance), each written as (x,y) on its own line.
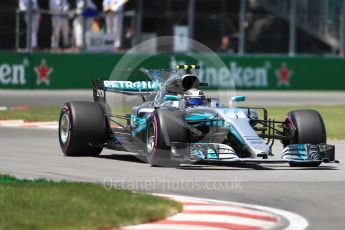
(80,124)
(163,127)
(308,128)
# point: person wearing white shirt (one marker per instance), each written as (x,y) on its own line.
(60,22)
(114,19)
(78,21)
(24,6)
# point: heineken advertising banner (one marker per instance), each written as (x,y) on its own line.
(15,70)
(76,71)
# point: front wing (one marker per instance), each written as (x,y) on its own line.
(265,161)
(223,154)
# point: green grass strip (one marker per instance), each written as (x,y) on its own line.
(42,204)
(32,114)
(333,117)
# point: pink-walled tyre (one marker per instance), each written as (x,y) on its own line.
(163,127)
(82,127)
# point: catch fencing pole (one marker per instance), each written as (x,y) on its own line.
(241,36)
(292,34)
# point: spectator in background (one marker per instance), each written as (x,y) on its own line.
(97,26)
(114,18)
(88,12)
(60,22)
(225,46)
(24,6)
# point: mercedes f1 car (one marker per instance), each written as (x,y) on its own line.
(176,124)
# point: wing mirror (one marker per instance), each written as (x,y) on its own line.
(236,99)
(171,97)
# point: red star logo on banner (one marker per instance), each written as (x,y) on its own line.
(43,71)
(283,74)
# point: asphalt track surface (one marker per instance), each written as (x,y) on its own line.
(318,194)
(254,98)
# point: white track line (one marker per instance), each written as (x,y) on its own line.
(22,124)
(5,122)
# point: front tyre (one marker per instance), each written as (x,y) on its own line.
(163,127)
(305,127)
(80,124)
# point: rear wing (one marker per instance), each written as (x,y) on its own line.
(140,88)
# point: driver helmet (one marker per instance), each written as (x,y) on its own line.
(194,97)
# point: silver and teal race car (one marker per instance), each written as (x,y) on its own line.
(176,123)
